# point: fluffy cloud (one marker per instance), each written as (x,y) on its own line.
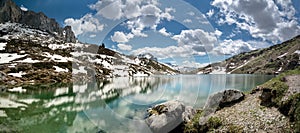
(121,37)
(124,47)
(233,47)
(210,12)
(187,21)
(192,64)
(23,8)
(164,32)
(85,24)
(140,14)
(168,52)
(200,40)
(266,19)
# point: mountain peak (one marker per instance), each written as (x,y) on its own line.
(10,12)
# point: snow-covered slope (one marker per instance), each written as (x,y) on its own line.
(33,56)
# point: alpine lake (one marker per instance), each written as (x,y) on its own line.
(113,105)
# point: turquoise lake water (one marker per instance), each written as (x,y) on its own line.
(116,105)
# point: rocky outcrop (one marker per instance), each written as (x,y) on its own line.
(10,12)
(68,34)
(216,102)
(222,99)
(167,116)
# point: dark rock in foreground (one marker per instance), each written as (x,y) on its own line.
(222,99)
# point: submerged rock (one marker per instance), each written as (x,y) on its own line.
(167,116)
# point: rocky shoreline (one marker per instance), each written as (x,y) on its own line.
(271,107)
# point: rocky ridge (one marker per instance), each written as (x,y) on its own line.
(34,49)
(10,12)
(33,56)
(273,60)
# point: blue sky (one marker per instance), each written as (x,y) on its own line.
(184,32)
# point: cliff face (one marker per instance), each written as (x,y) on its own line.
(10,12)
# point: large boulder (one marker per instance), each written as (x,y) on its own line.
(222,99)
(217,101)
(167,116)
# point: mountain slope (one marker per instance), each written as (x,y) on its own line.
(272,60)
(30,55)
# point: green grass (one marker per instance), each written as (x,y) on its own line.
(193,125)
(278,84)
(214,122)
(290,107)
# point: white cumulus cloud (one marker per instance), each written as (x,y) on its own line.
(85,24)
(187,21)
(200,40)
(168,52)
(210,12)
(269,20)
(124,47)
(121,37)
(233,47)
(164,32)
(141,14)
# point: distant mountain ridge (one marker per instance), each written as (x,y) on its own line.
(273,60)
(10,12)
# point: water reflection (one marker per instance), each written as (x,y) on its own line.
(115,105)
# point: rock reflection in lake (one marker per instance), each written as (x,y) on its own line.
(114,105)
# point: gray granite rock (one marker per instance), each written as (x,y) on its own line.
(167,116)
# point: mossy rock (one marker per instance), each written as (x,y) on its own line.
(157,110)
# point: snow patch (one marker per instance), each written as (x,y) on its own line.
(58,69)
(57,58)
(220,70)
(81,70)
(59,46)
(19,75)
(13,65)
(245,63)
(2,46)
(140,74)
(28,60)
(17,89)
(297,52)
(280,56)
(8,57)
